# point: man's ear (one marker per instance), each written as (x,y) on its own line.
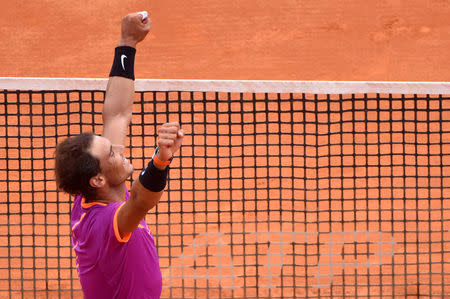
(97,181)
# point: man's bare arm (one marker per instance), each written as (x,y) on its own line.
(170,137)
(117,109)
(119,96)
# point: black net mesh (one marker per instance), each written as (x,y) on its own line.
(272,195)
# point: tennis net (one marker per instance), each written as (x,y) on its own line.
(281,189)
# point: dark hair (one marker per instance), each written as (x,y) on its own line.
(75,166)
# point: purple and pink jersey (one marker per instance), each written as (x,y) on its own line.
(110,266)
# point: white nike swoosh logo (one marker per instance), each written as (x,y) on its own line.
(121,59)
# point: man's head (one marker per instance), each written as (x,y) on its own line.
(88,163)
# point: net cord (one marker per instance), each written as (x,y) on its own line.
(250,86)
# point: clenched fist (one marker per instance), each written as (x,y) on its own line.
(170,137)
(134,29)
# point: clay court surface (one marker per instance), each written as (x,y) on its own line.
(273,40)
(339,242)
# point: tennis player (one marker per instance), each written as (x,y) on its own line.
(115,251)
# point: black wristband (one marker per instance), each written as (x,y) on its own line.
(123,65)
(153,178)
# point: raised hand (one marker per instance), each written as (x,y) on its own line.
(134,29)
(170,137)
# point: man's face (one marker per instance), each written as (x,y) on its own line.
(114,166)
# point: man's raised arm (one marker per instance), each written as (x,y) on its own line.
(120,89)
(147,190)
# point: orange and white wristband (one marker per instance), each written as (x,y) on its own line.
(158,161)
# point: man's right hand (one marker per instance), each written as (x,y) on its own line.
(134,29)
(170,138)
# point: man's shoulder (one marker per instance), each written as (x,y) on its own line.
(93,213)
